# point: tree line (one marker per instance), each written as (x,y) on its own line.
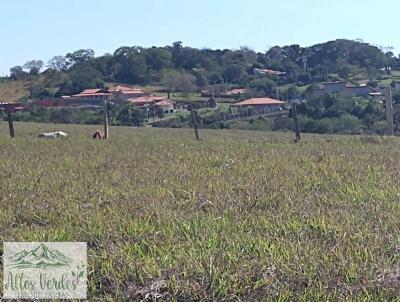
(179,67)
(186,69)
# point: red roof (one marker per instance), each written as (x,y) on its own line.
(150,99)
(259,101)
(142,100)
(90,91)
(235,92)
(121,88)
(92,94)
(159,98)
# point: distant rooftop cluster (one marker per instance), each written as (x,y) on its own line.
(121,92)
(93,97)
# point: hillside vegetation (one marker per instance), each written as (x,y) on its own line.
(12,91)
(239,216)
(182,68)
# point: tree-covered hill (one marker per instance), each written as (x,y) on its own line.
(182,68)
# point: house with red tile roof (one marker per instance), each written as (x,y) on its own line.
(125,93)
(93,94)
(161,102)
(260,104)
(117,93)
(166,105)
(142,101)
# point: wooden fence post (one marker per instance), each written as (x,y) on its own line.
(105,120)
(194,121)
(10,123)
(389,111)
(296,123)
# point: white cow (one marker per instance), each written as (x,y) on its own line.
(57,134)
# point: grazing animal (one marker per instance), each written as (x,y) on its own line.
(57,134)
(99,134)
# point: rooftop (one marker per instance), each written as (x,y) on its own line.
(142,100)
(259,101)
(82,94)
(125,89)
(90,91)
(235,91)
(164,102)
(150,99)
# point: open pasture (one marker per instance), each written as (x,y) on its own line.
(238,216)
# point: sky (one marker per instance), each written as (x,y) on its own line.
(41,29)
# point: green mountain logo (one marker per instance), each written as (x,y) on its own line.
(39,257)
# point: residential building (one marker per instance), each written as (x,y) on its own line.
(166,105)
(161,102)
(98,94)
(125,93)
(117,93)
(260,104)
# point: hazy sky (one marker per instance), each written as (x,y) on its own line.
(40,29)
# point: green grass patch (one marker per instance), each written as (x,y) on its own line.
(238,216)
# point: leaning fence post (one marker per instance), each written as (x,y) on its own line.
(389,111)
(194,122)
(105,120)
(10,123)
(296,123)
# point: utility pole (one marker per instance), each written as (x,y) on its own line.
(389,111)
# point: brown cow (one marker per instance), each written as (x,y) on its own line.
(99,134)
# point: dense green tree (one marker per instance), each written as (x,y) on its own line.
(34,66)
(233,73)
(293,92)
(265,87)
(158,58)
(58,63)
(80,78)
(182,68)
(178,81)
(40,92)
(80,56)
(130,65)
(17,73)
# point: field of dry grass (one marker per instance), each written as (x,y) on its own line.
(239,216)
